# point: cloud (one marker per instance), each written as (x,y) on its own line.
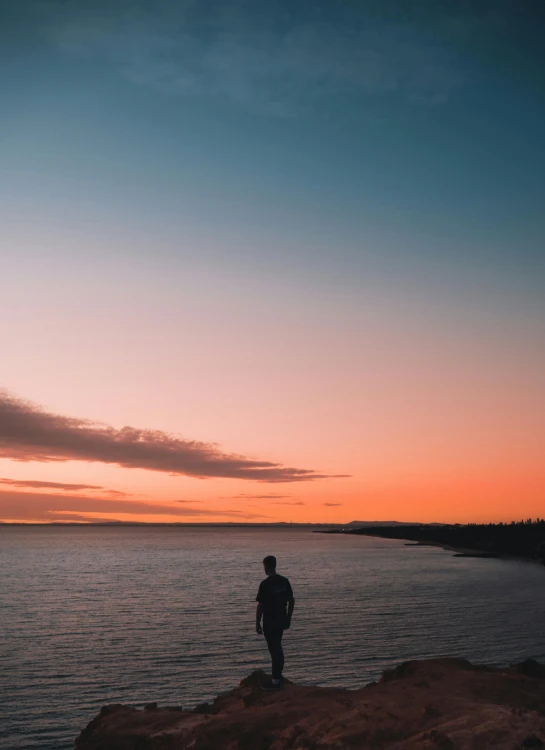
(28,433)
(34,506)
(332,505)
(250,496)
(266,57)
(63,486)
(58,516)
(277,499)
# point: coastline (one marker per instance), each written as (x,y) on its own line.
(417,536)
(468,552)
(460,551)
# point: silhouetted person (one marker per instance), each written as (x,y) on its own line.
(275,605)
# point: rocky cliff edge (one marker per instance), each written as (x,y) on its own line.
(444,704)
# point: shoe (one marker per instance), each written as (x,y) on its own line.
(271,686)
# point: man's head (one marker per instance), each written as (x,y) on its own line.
(269,563)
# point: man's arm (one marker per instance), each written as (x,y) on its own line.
(258,616)
(291,606)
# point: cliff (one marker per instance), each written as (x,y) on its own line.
(445,704)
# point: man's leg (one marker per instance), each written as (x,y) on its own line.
(274,642)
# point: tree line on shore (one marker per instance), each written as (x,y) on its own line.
(524,538)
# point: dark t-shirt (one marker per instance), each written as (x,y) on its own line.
(274,594)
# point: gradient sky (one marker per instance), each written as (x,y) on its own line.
(297,247)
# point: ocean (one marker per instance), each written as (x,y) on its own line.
(98,615)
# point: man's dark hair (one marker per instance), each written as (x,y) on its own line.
(270,561)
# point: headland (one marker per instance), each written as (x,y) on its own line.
(523,539)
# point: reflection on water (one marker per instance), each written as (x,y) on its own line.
(100,615)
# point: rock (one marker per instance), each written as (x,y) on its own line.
(532,668)
(254,679)
(206,708)
(150,707)
(439,704)
(431,711)
(413,668)
(440,740)
(105,710)
(253,698)
(532,741)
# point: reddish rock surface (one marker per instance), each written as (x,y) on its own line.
(444,704)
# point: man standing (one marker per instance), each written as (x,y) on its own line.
(275,605)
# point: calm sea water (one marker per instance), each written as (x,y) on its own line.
(91,616)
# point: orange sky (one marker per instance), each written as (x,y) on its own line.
(411,417)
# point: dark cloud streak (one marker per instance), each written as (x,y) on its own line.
(40,506)
(63,486)
(250,496)
(27,433)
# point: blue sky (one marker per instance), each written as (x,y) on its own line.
(417,132)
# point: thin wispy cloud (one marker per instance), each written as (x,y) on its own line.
(58,516)
(332,505)
(250,496)
(28,433)
(274,498)
(263,56)
(48,507)
(62,486)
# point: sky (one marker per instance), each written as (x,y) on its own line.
(272,261)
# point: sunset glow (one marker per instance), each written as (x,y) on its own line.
(240,302)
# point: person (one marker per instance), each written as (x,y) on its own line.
(275,605)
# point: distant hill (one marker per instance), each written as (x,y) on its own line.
(380,523)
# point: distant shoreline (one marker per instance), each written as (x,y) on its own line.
(517,541)
(467,552)
(460,551)
(145,524)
